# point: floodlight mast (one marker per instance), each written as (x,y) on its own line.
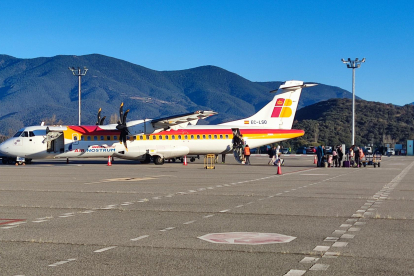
(79,72)
(353,64)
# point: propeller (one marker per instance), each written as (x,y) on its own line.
(100,121)
(122,125)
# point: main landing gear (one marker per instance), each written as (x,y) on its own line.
(158,160)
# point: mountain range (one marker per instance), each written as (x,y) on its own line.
(34,90)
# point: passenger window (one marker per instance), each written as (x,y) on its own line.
(227,136)
(221,136)
(148,137)
(192,136)
(160,137)
(166,137)
(102,138)
(185,137)
(75,138)
(209,137)
(82,138)
(115,137)
(204,137)
(141,137)
(95,138)
(173,137)
(108,138)
(179,137)
(198,136)
(215,136)
(89,138)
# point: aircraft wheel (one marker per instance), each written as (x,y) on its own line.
(379,164)
(173,160)
(28,161)
(158,160)
(192,159)
(20,163)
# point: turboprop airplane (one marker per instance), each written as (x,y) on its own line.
(159,139)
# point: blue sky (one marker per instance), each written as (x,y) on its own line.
(258,40)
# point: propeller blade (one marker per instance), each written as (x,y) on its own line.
(121,112)
(124,139)
(99,117)
(124,118)
(122,126)
(102,120)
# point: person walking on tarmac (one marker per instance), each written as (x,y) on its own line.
(356,155)
(340,155)
(270,152)
(320,154)
(247,154)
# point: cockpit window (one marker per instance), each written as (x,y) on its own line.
(18,134)
(25,134)
(39,132)
(31,134)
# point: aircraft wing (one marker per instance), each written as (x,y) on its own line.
(176,120)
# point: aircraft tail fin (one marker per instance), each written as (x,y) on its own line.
(280,112)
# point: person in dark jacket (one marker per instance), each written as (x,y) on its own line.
(319,154)
(356,156)
(271,153)
(340,155)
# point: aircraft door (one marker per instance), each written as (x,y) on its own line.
(31,135)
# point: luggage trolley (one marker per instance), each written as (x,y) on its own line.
(376,160)
(372,159)
(209,161)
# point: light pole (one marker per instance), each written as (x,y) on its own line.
(353,64)
(78,72)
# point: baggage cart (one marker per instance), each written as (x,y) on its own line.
(372,159)
(209,161)
(376,160)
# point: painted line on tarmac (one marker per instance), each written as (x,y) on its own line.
(167,229)
(140,238)
(104,249)
(62,262)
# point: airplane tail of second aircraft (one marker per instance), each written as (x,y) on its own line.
(280,112)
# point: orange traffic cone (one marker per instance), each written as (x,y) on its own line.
(279,169)
(109,161)
(314,160)
(185,160)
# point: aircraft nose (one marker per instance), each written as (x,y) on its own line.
(4,148)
